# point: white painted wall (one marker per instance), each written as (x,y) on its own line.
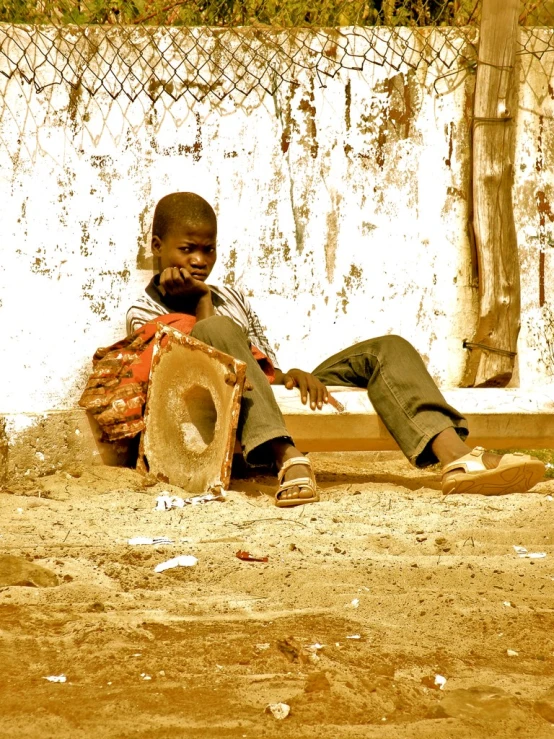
(534,210)
(357,229)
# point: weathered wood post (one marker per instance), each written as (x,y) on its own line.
(492,350)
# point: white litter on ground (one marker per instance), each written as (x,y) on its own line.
(165,501)
(207,498)
(512,653)
(184,560)
(524,554)
(440,680)
(279,710)
(56,678)
(138,540)
(314,647)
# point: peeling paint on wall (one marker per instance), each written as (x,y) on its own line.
(546,240)
(347,104)
(402,92)
(449,132)
(541,337)
(331,242)
(533,196)
(342,212)
(229,278)
(306,106)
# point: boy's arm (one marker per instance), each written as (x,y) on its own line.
(205,307)
(176,284)
(309,386)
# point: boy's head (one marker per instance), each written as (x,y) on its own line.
(184,234)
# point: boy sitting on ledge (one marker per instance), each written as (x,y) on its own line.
(425,427)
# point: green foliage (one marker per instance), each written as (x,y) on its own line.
(273,13)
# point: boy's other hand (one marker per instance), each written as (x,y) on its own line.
(308,385)
(177,281)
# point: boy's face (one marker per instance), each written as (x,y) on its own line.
(192,247)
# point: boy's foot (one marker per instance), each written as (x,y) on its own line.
(293,466)
(297,490)
(301,492)
(485,473)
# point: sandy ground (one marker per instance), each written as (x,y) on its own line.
(395,583)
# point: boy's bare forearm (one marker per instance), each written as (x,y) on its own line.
(204,307)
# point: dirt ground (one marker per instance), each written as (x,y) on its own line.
(365,598)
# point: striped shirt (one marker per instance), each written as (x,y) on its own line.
(227,301)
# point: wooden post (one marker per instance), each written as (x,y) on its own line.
(492,349)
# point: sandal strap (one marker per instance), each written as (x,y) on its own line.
(471,462)
(300,482)
(291,463)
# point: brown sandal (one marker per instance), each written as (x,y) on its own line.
(516,473)
(300,482)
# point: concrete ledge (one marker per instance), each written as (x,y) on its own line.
(498,418)
(39,444)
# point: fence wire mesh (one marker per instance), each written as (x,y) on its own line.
(220,48)
(114,65)
(115,70)
(201,62)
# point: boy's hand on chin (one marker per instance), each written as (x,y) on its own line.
(176,281)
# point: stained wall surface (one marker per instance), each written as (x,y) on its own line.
(342,212)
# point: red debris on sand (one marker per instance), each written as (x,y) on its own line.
(247,557)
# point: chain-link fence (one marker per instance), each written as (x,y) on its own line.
(200,62)
(215,48)
(95,87)
(158,48)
